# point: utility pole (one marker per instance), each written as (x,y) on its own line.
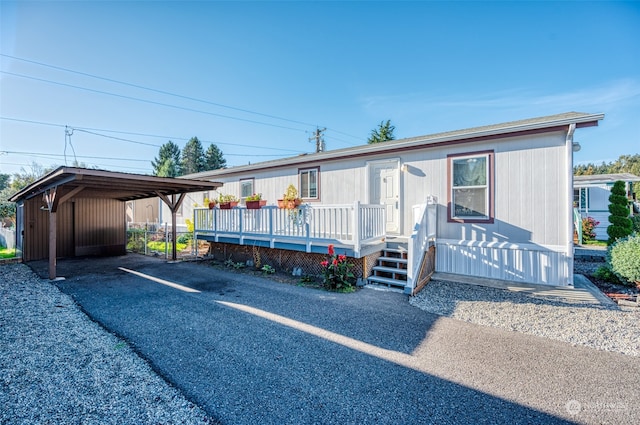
(317,136)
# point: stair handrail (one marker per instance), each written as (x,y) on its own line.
(423,233)
(577,224)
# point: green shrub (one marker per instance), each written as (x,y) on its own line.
(185,238)
(605,273)
(635,222)
(618,207)
(624,259)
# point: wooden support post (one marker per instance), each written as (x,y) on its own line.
(52,244)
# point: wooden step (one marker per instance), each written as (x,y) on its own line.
(395,253)
(393,260)
(387,281)
(392,270)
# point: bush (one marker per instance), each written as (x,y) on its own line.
(635,222)
(620,223)
(624,259)
(588,229)
(605,273)
(185,238)
(336,272)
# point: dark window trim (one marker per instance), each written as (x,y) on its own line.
(490,187)
(300,170)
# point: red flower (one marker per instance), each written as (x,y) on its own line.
(342,258)
(331,252)
(324,263)
(335,262)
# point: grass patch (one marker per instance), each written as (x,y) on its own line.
(159,246)
(595,243)
(7,253)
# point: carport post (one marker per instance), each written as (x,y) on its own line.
(173,205)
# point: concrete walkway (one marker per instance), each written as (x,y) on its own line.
(250,350)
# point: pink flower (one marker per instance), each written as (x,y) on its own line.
(331,251)
(335,262)
(324,263)
(342,258)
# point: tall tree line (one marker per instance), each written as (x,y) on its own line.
(171,162)
(624,164)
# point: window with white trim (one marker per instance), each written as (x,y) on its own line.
(470,195)
(246,189)
(309,183)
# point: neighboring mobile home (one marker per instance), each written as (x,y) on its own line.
(591,197)
(502,195)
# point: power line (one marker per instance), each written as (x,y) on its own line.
(137,99)
(221,105)
(155,90)
(92,131)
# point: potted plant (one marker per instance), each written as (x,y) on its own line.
(255,201)
(290,198)
(211,203)
(227,201)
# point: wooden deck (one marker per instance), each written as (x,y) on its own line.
(358,229)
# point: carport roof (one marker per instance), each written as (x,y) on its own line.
(88,183)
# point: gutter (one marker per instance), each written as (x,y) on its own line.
(569,203)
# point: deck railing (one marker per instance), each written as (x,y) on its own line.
(352,225)
(424,232)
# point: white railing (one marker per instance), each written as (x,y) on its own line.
(353,225)
(424,231)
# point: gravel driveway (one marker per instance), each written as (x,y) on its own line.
(247,350)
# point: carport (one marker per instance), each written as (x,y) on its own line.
(86,211)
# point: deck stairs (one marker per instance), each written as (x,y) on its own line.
(391,267)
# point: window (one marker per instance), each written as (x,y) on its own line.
(470,182)
(581,198)
(246,189)
(309,183)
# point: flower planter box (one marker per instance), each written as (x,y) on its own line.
(289,205)
(228,205)
(255,205)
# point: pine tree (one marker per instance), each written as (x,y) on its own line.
(621,225)
(213,158)
(383,133)
(169,154)
(192,157)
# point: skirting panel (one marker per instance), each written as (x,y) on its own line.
(526,264)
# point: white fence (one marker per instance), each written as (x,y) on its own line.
(352,225)
(7,238)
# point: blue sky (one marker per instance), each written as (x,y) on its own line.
(256,78)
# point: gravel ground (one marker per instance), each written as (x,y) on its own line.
(604,328)
(59,367)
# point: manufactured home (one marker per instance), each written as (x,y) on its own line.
(492,202)
(591,197)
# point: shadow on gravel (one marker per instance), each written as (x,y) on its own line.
(249,350)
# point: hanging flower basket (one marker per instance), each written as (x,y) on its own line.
(255,205)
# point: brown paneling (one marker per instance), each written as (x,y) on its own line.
(85,227)
(100,227)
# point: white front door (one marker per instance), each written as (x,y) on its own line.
(385,190)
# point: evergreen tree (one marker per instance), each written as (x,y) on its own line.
(213,158)
(169,154)
(621,225)
(192,157)
(383,133)
(169,168)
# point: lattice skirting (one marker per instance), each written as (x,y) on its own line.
(286,260)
